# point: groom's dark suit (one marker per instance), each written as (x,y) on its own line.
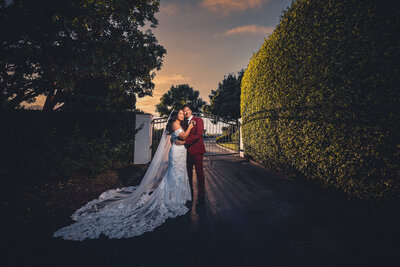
(195,150)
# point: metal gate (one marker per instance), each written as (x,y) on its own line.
(221,137)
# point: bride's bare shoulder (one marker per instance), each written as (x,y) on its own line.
(176,125)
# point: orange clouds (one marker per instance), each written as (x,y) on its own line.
(147,103)
(253,29)
(170,9)
(38,104)
(226,6)
(163,84)
(171,79)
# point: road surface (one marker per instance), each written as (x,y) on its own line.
(252,217)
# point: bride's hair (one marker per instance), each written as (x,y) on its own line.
(173,118)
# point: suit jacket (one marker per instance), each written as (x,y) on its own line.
(194,142)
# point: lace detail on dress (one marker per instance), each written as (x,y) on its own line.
(124,218)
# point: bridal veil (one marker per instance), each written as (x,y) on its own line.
(123,212)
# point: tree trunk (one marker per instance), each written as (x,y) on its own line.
(50,103)
(52,99)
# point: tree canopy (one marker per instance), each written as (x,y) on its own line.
(225,101)
(78,52)
(177,96)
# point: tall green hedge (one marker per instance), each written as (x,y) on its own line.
(320,98)
(39,143)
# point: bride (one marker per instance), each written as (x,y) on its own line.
(134,210)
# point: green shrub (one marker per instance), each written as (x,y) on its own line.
(62,143)
(212,135)
(235,137)
(225,138)
(320,98)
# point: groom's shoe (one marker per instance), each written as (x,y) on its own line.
(201,207)
(201,199)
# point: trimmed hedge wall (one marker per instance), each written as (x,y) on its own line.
(320,98)
(62,143)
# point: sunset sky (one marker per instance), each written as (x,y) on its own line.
(207,39)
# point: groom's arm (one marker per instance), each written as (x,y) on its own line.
(198,133)
(179,142)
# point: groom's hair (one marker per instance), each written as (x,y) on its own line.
(186,105)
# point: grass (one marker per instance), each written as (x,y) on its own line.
(35,206)
(230,145)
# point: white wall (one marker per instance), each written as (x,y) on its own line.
(142,153)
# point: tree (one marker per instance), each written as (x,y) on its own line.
(53,47)
(177,96)
(225,101)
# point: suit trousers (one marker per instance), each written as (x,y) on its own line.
(197,161)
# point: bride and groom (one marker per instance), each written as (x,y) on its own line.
(163,192)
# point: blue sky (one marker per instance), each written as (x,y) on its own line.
(207,39)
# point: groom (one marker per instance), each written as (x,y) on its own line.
(195,150)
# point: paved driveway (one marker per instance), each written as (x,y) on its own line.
(252,217)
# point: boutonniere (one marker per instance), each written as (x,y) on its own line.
(193,122)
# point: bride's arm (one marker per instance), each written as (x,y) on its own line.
(185,134)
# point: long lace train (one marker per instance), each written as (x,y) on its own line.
(134,210)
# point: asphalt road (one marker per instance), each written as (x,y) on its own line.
(252,217)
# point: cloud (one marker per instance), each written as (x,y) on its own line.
(31,106)
(226,6)
(38,104)
(171,79)
(163,83)
(148,103)
(250,29)
(170,9)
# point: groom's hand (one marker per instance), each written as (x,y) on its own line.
(179,142)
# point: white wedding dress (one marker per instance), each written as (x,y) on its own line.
(134,210)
